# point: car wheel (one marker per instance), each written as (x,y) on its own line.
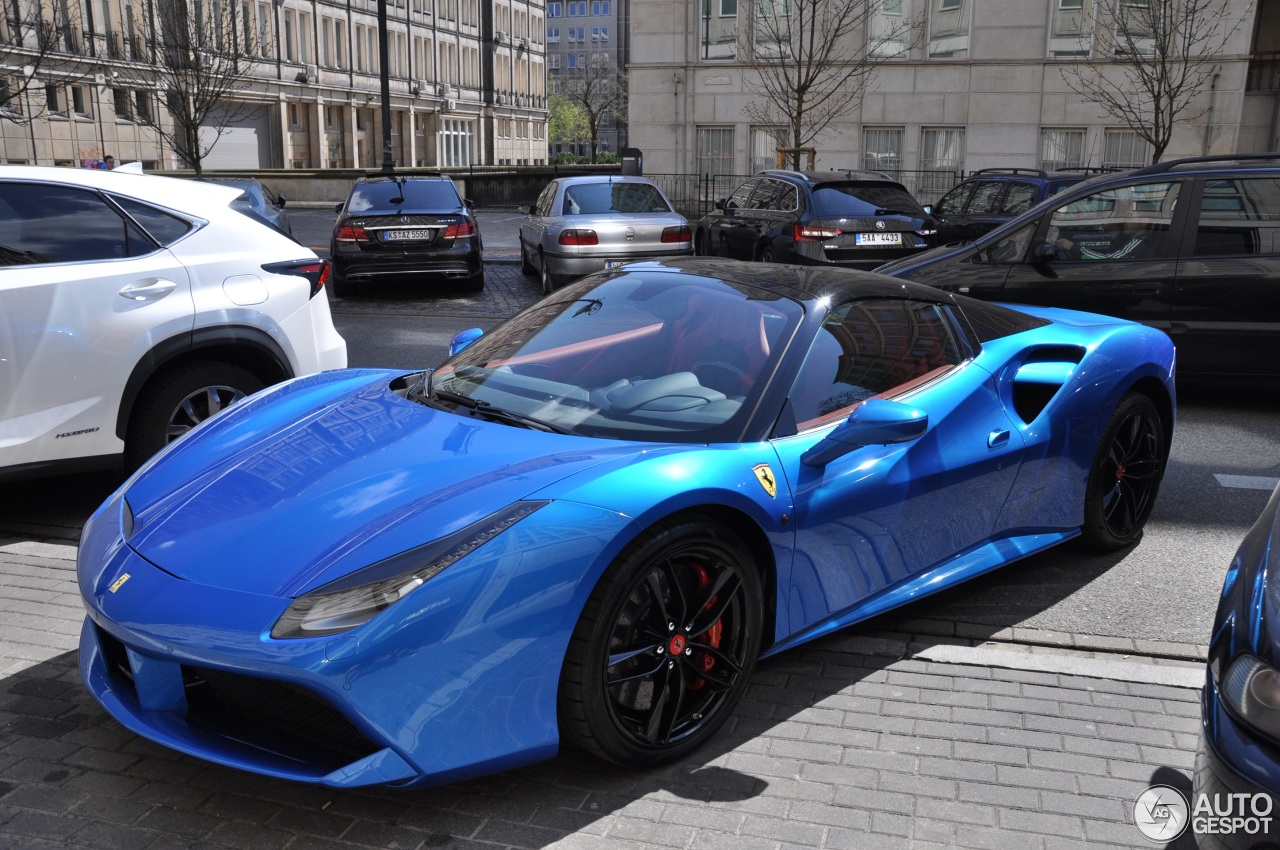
(544,276)
(765,254)
(1125,476)
(700,244)
(526,267)
(475,283)
(177,401)
(342,288)
(664,647)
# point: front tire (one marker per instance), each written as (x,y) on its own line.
(700,246)
(1125,477)
(526,267)
(544,276)
(665,646)
(175,402)
(765,254)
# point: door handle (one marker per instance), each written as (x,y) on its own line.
(1148,287)
(997,438)
(152,291)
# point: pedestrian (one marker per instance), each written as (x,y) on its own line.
(108,162)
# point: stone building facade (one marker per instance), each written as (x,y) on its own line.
(979,84)
(468,84)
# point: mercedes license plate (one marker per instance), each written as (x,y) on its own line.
(406,235)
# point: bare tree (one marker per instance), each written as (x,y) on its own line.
(1150,60)
(810,62)
(40,45)
(597,90)
(204,54)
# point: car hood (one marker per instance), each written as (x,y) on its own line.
(330,474)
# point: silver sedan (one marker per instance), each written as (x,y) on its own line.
(587,224)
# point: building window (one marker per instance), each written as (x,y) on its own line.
(765,142)
(1061,148)
(456,139)
(949,30)
(718,29)
(123,104)
(142,107)
(553,10)
(1125,149)
(81,103)
(1136,25)
(53,100)
(882,150)
(1068,30)
(890,29)
(941,157)
(715,150)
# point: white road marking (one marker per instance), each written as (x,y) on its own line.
(1247,482)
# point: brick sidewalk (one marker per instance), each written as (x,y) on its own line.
(859,740)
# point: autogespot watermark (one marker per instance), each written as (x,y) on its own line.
(1161,813)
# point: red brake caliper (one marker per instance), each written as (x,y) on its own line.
(705,659)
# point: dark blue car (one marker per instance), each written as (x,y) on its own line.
(1240,746)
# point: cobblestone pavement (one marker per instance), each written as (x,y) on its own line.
(862,740)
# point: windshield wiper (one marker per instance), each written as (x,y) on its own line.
(479,407)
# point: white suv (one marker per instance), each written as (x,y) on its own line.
(132,307)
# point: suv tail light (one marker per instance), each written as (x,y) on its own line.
(458,230)
(578,236)
(315,271)
(680,233)
(809,233)
(347,233)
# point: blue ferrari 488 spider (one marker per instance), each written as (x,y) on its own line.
(590,523)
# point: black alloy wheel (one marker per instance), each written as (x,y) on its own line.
(544,275)
(665,646)
(1126,474)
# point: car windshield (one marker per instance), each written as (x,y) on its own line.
(862,199)
(598,198)
(646,355)
(395,196)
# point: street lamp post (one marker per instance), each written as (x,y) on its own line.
(388,163)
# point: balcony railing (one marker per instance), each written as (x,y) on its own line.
(1264,72)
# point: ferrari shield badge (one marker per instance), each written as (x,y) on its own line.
(765,476)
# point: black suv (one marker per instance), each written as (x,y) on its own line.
(856,219)
(407,227)
(992,196)
(1190,246)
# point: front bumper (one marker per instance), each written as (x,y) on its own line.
(1228,762)
(408,698)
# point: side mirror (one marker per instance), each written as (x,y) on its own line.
(469,203)
(463,339)
(720,203)
(527,209)
(338,206)
(1043,253)
(877,421)
(280,201)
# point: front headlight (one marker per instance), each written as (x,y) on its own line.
(1251,690)
(354,600)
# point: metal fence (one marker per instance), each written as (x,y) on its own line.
(695,195)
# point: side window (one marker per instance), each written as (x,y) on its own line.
(787,198)
(985,198)
(765,197)
(953,202)
(543,206)
(163,227)
(1239,216)
(1122,223)
(871,348)
(1018,199)
(742,194)
(1012,248)
(59,224)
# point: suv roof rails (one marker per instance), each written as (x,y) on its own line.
(1162,167)
(1035,172)
(1087,169)
(833,174)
